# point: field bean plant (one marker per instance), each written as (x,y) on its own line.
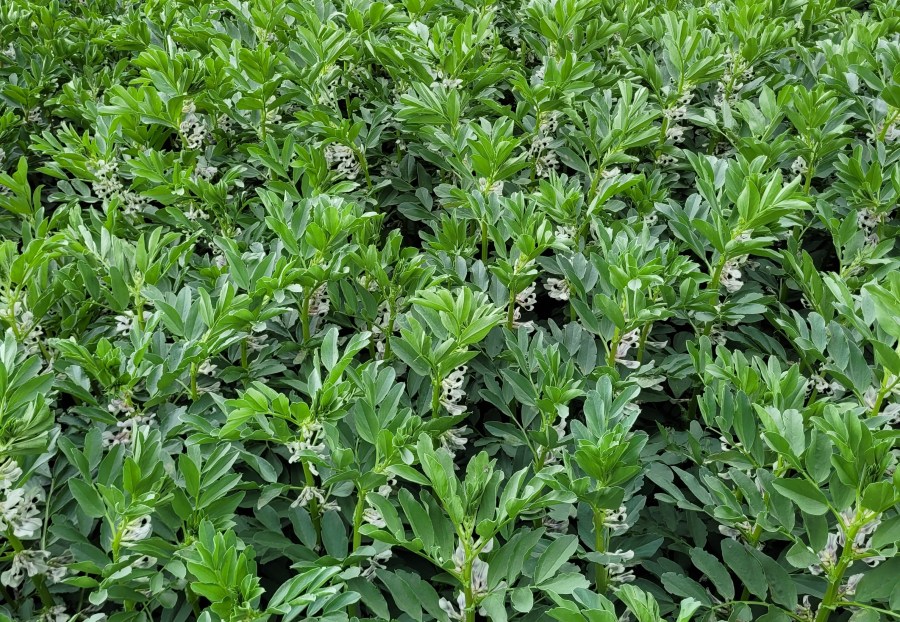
(453,310)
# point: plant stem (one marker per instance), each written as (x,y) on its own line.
(484,242)
(469,613)
(304,314)
(435,397)
(511,310)
(835,578)
(613,348)
(714,282)
(358,517)
(602,577)
(313,504)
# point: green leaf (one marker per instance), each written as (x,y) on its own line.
(804,494)
(555,555)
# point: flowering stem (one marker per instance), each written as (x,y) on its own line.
(613,348)
(714,282)
(435,396)
(642,343)
(602,577)
(837,575)
(887,124)
(882,392)
(194,370)
(469,613)
(811,170)
(304,316)
(313,504)
(39,585)
(511,310)
(358,518)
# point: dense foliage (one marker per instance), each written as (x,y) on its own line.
(574,310)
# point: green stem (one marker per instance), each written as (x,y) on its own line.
(511,309)
(358,518)
(484,242)
(469,613)
(194,370)
(837,576)
(304,315)
(435,397)
(602,576)
(613,348)
(887,124)
(642,343)
(809,175)
(313,504)
(715,283)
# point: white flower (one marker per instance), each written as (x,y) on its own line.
(25,563)
(10,472)
(137,530)
(307,494)
(204,170)
(343,160)
(665,159)
(19,511)
(454,441)
(799,166)
(730,278)
(57,613)
(454,612)
(452,392)
(387,489)
(849,588)
(195,213)
(675,114)
(626,342)
(610,173)
(828,555)
(125,322)
(123,432)
(565,233)
(207,369)
(306,441)
(675,133)
(376,563)
(319,304)
(479,577)
(373,517)
(619,574)
(617,522)
(526,298)
(558,289)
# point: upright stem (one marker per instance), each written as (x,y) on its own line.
(613,348)
(837,576)
(484,242)
(511,309)
(194,370)
(304,316)
(469,613)
(601,577)
(435,397)
(714,283)
(358,518)
(313,504)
